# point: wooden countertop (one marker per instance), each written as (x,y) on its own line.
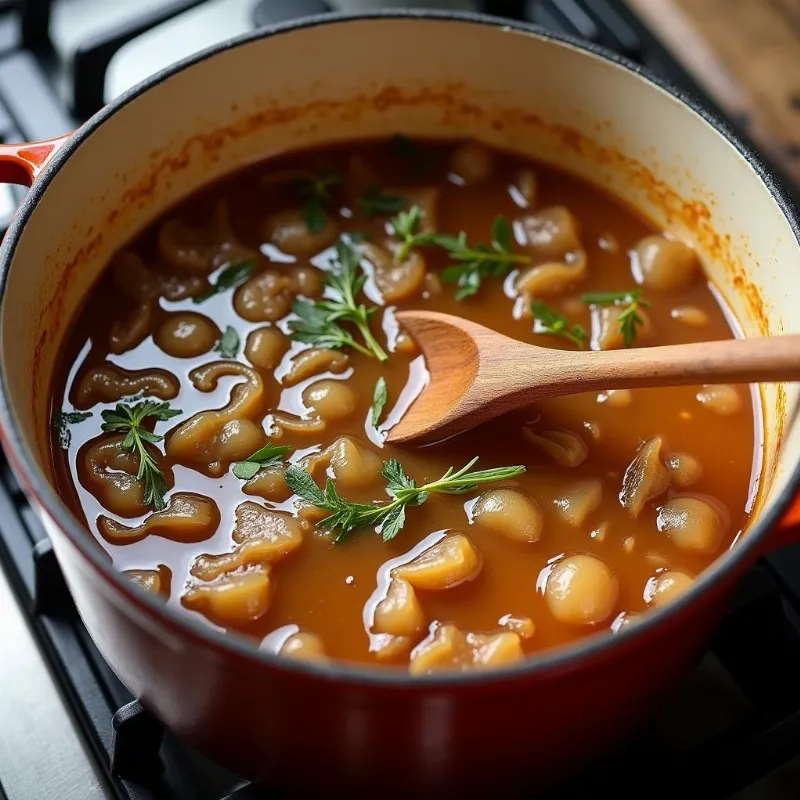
(746,54)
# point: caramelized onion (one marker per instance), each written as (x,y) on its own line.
(265,347)
(304,646)
(578,501)
(447,648)
(108,383)
(263,537)
(581,590)
(510,513)
(551,233)
(201,248)
(187,518)
(186,335)
(396,281)
(353,466)
(564,447)
(108,470)
(667,586)
(399,613)
(217,438)
(684,469)
(314,361)
(692,523)
(288,231)
(472,162)
(664,264)
(553,277)
(232,600)
(607,329)
(266,297)
(152,581)
(449,562)
(645,478)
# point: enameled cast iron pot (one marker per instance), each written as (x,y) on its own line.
(309,728)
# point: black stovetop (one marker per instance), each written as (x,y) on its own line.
(733,721)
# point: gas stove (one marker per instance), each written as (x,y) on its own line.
(71,731)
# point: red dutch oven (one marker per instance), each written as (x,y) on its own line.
(304,728)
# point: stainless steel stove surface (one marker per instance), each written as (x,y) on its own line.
(70,731)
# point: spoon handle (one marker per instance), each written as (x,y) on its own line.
(764,360)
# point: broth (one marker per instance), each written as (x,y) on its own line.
(626,496)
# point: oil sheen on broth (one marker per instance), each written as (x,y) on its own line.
(626,496)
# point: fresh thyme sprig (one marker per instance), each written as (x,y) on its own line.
(473,263)
(346,517)
(267,456)
(320,323)
(406,226)
(546,321)
(129,419)
(629,320)
(481,261)
(316,194)
(375,202)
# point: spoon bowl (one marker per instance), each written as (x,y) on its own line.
(477,374)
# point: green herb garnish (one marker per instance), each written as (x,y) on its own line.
(128,419)
(406,226)
(405,148)
(479,262)
(321,323)
(417,157)
(374,202)
(629,320)
(229,278)
(64,418)
(316,194)
(268,456)
(228,345)
(379,398)
(345,516)
(546,321)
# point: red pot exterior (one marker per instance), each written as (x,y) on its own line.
(305,734)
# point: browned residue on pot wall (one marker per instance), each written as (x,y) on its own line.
(457,112)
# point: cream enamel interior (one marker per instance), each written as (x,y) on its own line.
(325,76)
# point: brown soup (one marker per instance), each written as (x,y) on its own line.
(253,327)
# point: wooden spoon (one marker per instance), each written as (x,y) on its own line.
(477,374)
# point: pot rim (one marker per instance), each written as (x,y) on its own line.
(598,645)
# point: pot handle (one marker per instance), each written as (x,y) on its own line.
(23,163)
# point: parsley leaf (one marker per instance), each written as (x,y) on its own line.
(345,517)
(228,345)
(129,419)
(321,322)
(316,194)
(62,419)
(229,278)
(548,322)
(267,456)
(406,226)
(481,261)
(379,398)
(417,158)
(629,320)
(374,202)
